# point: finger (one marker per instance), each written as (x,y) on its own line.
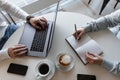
(88,56)
(21,53)
(40,25)
(74,34)
(88,60)
(16,51)
(92,54)
(44,20)
(44,24)
(19,46)
(79,35)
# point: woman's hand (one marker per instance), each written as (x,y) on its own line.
(17,51)
(93,58)
(79,33)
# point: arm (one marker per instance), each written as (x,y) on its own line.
(110,20)
(14,10)
(13,52)
(38,23)
(4,54)
(112,67)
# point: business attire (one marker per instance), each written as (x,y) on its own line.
(111,20)
(7,30)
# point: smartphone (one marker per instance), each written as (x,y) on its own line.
(17,69)
(86,77)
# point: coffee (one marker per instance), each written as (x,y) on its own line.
(65,60)
(44,69)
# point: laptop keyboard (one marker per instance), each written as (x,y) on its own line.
(39,40)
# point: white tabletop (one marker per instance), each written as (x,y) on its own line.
(65,27)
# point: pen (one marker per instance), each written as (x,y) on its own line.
(75,30)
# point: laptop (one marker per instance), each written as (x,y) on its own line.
(39,42)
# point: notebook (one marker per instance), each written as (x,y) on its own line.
(39,42)
(86,44)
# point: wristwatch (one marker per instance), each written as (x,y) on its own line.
(28,18)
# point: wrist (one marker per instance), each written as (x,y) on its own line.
(28,18)
(100,61)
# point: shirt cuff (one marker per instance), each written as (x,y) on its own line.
(87,27)
(4,54)
(108,65)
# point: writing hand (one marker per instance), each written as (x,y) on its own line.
(79,33)
(93,58)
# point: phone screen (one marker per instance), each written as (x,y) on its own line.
(85,77)
(17,69)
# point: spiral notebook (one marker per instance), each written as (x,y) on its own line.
(86,44)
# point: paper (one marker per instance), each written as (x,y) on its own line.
(86,44)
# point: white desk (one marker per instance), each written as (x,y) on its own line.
(65,27)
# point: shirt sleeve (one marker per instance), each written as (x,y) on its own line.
(4,54)
(12,9)
(113,67)
(104,22)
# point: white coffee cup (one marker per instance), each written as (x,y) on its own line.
(64,61)
(44,70)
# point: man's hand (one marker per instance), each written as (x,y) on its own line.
(93,58)
(17,51)
(79,33)
(39,23)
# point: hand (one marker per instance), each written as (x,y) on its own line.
(39,23)
(17,51)
(93,58)
(80,33)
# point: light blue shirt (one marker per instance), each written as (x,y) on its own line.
(111,20)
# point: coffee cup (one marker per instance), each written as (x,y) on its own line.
(44,70)
(64,61)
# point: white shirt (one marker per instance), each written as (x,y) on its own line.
(15,11)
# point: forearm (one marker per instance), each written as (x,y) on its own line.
(12,9)
(110,20)
(112,67)
(4,54)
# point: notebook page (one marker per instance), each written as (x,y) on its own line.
(77,43)
(90,46)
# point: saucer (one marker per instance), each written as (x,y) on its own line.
(52,71)
(64,68)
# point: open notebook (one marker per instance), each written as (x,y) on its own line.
(86,44)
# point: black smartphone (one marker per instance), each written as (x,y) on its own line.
(17,69)
(86,77)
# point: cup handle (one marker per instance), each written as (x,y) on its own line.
(38,77)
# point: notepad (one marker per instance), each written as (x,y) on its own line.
(86,44)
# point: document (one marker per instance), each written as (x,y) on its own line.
(84,45)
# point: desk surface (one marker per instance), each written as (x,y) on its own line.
(64,27)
